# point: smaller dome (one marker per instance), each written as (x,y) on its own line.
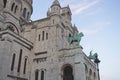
(56,2)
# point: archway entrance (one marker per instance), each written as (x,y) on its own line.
(68,73)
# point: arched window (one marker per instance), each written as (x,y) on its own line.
(39,37)
(46,36)
(28,15)
(4,2)
(86,71)
(42,75)
(13,62)
(19,62)
(36,75)
(43,35)
(15,8)
(25,63)
(53,21)
(90,74)
(69,35)
(24,12)
(94,76)
(12,7)
(68,73)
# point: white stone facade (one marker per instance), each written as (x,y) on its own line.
(39,50)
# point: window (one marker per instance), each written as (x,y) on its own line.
(53,21)
(28,15)
(4,2)
(25,62)
(68,73)
(86,71)
(42,75)
(69,35)
(15,9)
(46,36)
(19,62)
(90,74)
(36,75)
(43,35)
(13,62)
(12,6)
(39,37)
(24,12)
(94,76)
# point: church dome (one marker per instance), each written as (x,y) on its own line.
(56,2)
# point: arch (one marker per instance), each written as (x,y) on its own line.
(12,7)
(4,2)
(13,25)
(68,72)
(24,12)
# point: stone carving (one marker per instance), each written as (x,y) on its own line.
(10,27)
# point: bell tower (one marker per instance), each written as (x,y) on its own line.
(55,7)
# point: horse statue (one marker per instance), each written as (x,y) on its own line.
(75,38)
(94,57)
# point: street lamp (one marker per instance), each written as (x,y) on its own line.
(97,61)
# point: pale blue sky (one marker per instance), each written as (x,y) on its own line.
(99,20)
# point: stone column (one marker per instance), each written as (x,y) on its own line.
(79,67)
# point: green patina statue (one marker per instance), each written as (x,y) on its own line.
(94,57)
(75,38)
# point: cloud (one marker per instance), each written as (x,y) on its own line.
(77,9)
(94,12)
(96,27)
(89,31)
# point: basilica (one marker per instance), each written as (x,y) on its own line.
(45,49)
